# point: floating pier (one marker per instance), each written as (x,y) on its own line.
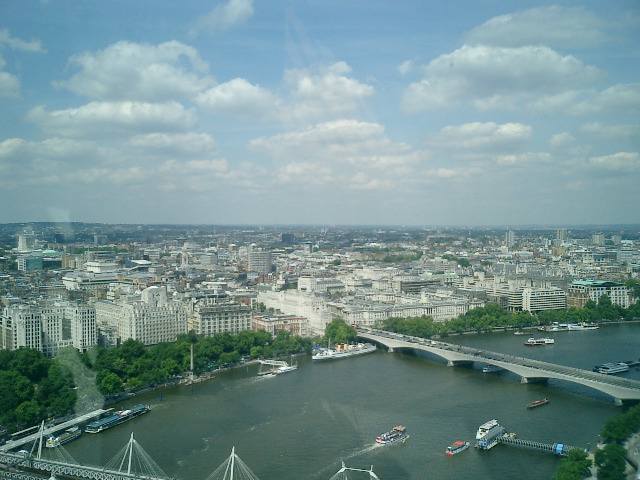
(500,435)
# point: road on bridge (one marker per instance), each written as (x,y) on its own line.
(619,388)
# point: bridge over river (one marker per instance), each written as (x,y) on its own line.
(132,462)
(621,389)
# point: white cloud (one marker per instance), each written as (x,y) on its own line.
(341,154)
(224,16)
(622,163)
(554,26)
(139,72)
(241,99)
(335,139)
(618,99)
(18,44)
(9,84)
(313,94)
(613,132)
(180,145)
(31,163)
(560,140)
(326,93)
(304,173)
(114,119)
(482,138)
(495,77)
(406,67)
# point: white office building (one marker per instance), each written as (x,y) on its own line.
(539,299)
(303,304)
(211,317)
(150,318)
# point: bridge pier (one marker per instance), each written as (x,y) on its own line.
(533,379)
(528,370)
(453,363)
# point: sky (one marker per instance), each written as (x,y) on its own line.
(358,112)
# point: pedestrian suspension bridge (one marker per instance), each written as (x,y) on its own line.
(130,463)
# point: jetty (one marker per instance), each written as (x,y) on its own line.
(499,435)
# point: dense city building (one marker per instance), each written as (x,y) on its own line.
(105,284)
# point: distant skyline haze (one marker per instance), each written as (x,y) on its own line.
(335,113)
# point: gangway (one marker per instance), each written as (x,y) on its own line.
(499,435)
(553,448)
(273,363)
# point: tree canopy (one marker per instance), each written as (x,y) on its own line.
(132,365)
(32,388)
(339,332)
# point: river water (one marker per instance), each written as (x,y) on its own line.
(303,424)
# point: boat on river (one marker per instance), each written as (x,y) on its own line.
(397,434)
(343,350)
(537,403)
(491,369)
(609,368)
(583,326)
(456,448)
(68,435)
(285,369)
(487,428)
(539,341)
(116,418)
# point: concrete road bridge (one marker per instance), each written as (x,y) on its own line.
(621,389)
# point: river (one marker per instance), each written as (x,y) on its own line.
(303,424)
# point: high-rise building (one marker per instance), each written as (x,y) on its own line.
(21,327)
(597,238)
(510,239)
(260,260)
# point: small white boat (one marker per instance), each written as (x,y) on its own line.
(491,369)
(456,448)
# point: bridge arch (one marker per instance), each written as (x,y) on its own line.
(529,370)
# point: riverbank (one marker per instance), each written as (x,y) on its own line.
(528,329)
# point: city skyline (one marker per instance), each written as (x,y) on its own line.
(240,112)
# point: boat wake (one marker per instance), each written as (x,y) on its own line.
(363,450)
(357,452)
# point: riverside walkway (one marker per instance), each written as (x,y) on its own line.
(621,389)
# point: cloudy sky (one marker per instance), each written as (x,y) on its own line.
(364,112)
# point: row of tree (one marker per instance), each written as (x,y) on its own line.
(32,388)
(494,316)
(132,365)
